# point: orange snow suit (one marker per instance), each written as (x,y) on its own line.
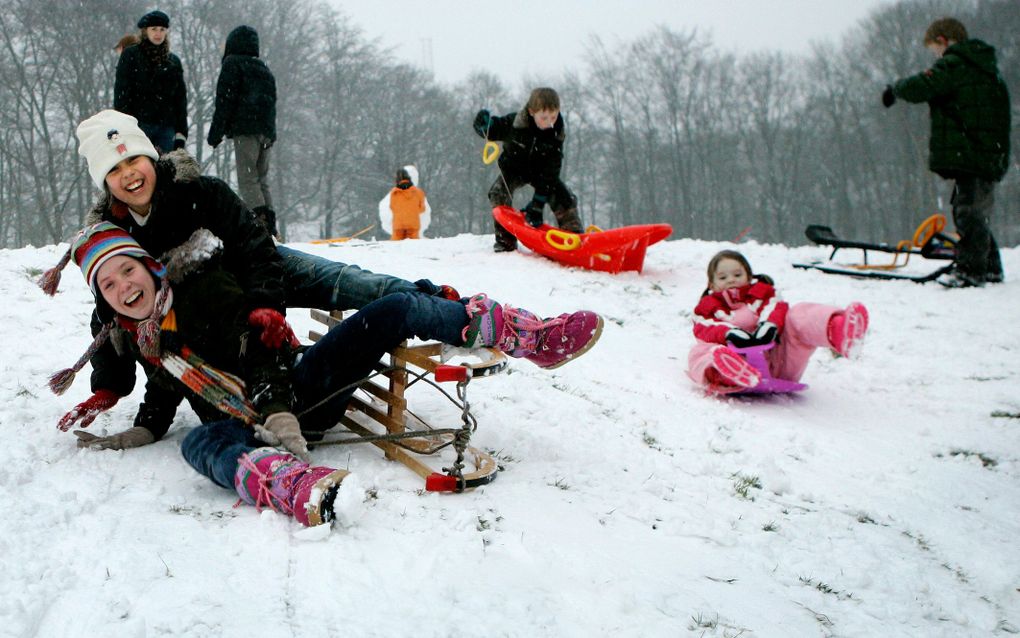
(407,205)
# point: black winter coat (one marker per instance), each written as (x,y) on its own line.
(211,313)
(245,91)
(533,154)
(153,93)
(970,111)
(184,202)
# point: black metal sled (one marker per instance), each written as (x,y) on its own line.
(928,241)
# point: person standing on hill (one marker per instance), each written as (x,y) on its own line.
(150,85)
(246,112)
(970,125)
(405,211)
(532,154)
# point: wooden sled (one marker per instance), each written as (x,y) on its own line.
(387,406)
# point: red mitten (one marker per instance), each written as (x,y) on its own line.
(275,329)
(88,410)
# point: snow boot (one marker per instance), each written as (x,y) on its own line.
(505,240)
(846,330)
(568,220)
(268,476)
(548,343)
(729,369)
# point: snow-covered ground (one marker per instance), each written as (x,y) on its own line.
(882,501)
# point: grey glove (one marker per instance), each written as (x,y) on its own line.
(283,429)
(135,437)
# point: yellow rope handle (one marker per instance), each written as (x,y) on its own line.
(490,152)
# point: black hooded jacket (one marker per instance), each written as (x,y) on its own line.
(245,91)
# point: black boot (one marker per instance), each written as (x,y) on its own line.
(267,217)
(505,240)
(568,220)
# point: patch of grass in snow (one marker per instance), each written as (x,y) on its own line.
(770,527)
(702,621)
(825,588)
(560,483)
(986,461)
(742,485)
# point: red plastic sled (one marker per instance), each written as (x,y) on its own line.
(612,250)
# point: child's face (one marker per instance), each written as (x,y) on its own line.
(132,181)
(156,35)
(127,285)
(729,273)
(938,47)
(545,118)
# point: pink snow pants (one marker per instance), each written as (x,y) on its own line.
(806,328)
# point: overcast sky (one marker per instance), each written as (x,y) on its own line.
(512,38)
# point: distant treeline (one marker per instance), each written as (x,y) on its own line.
(664,128)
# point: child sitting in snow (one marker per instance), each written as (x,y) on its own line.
(744,310)
(189,324)
(405,212)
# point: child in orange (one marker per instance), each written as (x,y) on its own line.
(405,212)
(744,310)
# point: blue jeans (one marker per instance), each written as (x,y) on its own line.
(317,282)
(161,136)
(344,356)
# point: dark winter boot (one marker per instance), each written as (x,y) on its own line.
(548,343)
(505,240)
(270,477)
(568,220)
(267,217)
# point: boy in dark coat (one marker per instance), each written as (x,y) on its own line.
(970,125)
(150,85)
(246,112)
(532,154)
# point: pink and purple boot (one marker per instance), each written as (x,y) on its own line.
(269,477)
(730,370)
(846,330)
(548,343)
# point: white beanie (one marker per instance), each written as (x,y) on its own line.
(108,137)
(412,172)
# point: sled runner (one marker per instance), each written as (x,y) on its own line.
(384,404)
(613,250)
(755,355)
(928,241)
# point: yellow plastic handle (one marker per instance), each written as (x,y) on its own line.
(562,240)
(927,229)
(490,152)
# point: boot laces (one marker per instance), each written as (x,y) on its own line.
(515,321)
(264,497)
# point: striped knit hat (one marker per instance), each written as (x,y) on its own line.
(95,245)
(91,248)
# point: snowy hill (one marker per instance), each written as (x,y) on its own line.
(882,501)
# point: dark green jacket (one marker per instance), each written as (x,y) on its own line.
(970,111)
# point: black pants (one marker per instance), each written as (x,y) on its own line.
(977,251)
(561,201)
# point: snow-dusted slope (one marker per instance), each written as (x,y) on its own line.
(882,501)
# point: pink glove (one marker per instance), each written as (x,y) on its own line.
(275,329)
(89,409)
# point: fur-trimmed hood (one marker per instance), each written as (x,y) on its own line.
(176,166)
(523,120)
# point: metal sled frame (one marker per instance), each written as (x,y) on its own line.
(409,446)
(928,241)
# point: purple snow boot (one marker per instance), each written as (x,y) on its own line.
(548,343)
(268,476)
